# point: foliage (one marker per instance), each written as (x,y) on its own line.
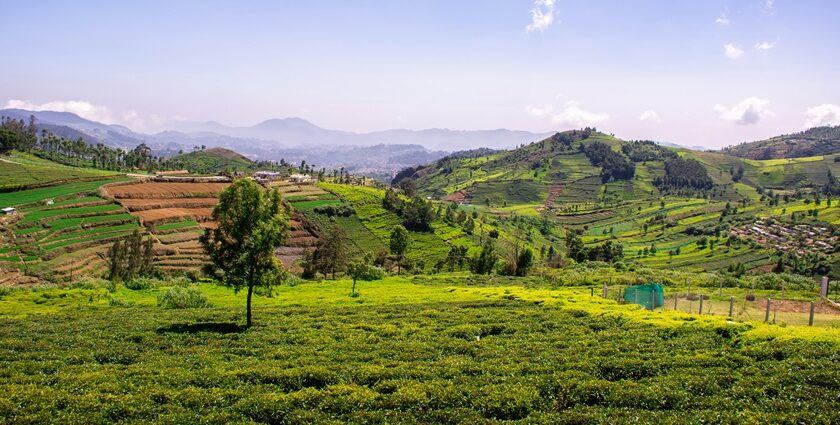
(485,261)
(183,297)
(131,258)
(399,244)
(614,166)
(333,210)
(645,150)
(473,355)
(250,228)
(364,271)
(684,173)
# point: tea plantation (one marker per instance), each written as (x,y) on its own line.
(442,349)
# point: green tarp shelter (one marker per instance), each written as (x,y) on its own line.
(649,295)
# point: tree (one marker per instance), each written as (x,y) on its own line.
(400,242)
(364,271)
(524,262)
(485,262)
(250,227)
(332,254)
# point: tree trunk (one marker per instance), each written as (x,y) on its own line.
(248,314)
(354,286)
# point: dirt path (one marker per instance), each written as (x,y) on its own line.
(554,191)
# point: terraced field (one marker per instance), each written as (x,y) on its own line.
(62,235)
(175,214)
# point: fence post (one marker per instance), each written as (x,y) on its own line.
(824,287)
(811,316)
(635,295)
(605,290)
(592,291)
(731,306)
(767,312)
(675,301)
(652,300)
(701,303)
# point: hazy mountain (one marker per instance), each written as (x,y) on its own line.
(379,153)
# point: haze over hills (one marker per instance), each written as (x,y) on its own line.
(292,139)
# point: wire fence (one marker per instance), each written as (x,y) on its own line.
(737,304)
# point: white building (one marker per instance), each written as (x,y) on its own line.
(300,178)
(8,211)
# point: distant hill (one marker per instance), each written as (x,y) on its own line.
(376,154)
(214,161)
(813,142)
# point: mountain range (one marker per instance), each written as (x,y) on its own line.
(292,139)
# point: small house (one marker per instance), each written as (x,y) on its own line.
(9,211)
(300,178)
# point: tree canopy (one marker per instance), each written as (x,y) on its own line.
(251,226)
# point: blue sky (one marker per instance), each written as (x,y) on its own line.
(701,72)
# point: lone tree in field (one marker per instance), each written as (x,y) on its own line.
(400,241)
(364,271)
(251,227)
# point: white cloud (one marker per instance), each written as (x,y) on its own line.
(732,51)
(81,108)
(722,20)
(768,4)
(542,15)
(571,114)
(747,112)
(822,115)
(650,116)
(99,113)
(764,45)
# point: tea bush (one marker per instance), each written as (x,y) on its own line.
(183,297)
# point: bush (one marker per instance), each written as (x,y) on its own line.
(141,283)
(183,297)
(90,283)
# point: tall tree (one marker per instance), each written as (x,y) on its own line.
(400,241)
(251,226)
(332,256)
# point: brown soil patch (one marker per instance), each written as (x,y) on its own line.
(199,214)
(139,204)
(459,197)
(791,306)
(163,190)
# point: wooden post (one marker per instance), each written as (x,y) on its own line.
(636,295)
(605,289)
(824,287)
(767,312)
(592,291)
(701,304)
(811,316)
(652,300)
(731,306)
(675,301)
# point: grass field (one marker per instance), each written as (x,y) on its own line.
(20,170)
(426,350)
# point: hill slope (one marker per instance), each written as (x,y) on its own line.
(813,142)
(213,161)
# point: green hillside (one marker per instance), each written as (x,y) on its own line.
(22,170)
(676,208)
(213,161)
(813,142)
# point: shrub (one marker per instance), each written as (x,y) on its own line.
(142,283)
(183,297)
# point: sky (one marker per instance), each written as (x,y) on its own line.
(695,72)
